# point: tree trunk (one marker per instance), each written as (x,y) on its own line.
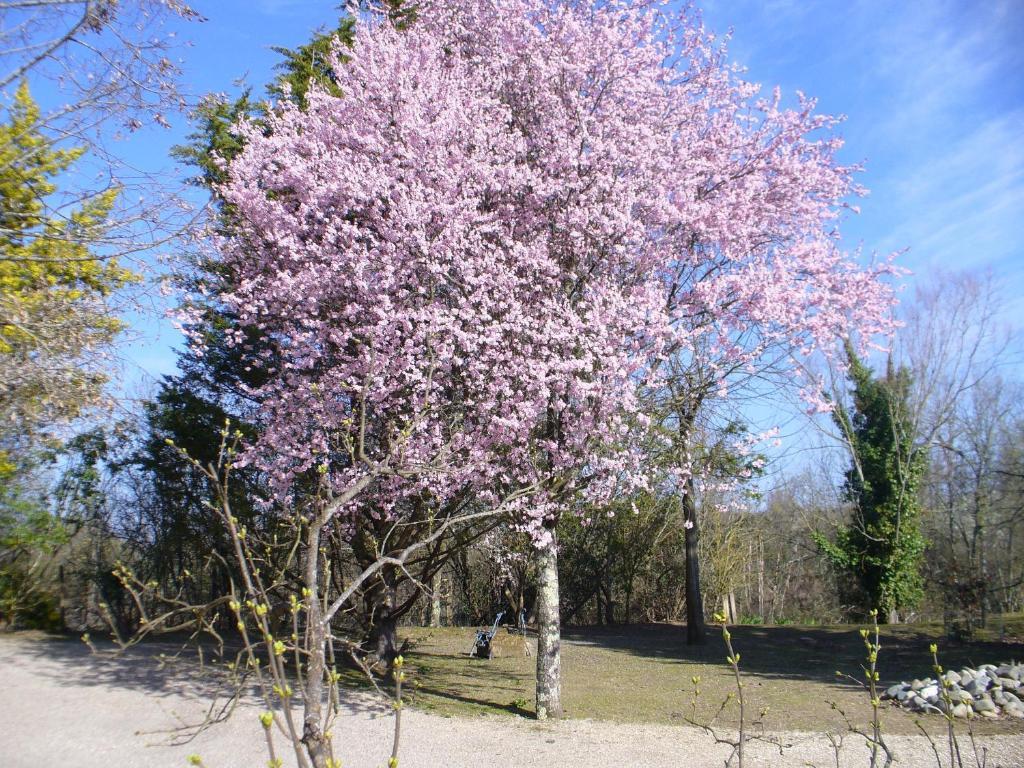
(760,578)
(549,672)
(312,736)
(729,607)
(386,638)
(381,631)
(696,632)
(604,606)
(629,601)
(435,601)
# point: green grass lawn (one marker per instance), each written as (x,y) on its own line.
(642,673)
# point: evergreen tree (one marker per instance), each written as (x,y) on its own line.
(56,327)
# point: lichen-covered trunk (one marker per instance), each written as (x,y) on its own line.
(549,634)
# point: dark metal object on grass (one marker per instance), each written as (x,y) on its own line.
(482,645)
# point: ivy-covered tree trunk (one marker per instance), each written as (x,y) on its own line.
(881,549)
(549,633)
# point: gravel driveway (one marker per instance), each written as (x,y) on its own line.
(62,707)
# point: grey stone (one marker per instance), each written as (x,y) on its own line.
(1008,683)
(978,685)
(987,691)
(984,704)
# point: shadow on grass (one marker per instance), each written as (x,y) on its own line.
(633,671)
(799,653)
(446,678)
(641,673)
(487,705)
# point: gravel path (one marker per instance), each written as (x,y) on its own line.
(62,707)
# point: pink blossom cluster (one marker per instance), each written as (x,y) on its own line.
(468,261)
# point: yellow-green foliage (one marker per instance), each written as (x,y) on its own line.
(53,279)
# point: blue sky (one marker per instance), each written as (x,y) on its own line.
(935,109)
(932,91)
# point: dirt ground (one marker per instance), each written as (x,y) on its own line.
(62,706)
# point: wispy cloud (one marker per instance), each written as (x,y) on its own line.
(964,208)
(936,111)
(938,67)
(946,131)
(280,7)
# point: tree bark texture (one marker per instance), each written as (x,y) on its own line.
(435,601)
(696,633)
(312,736)
(549,635)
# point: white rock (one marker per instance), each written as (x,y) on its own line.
(929,692)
